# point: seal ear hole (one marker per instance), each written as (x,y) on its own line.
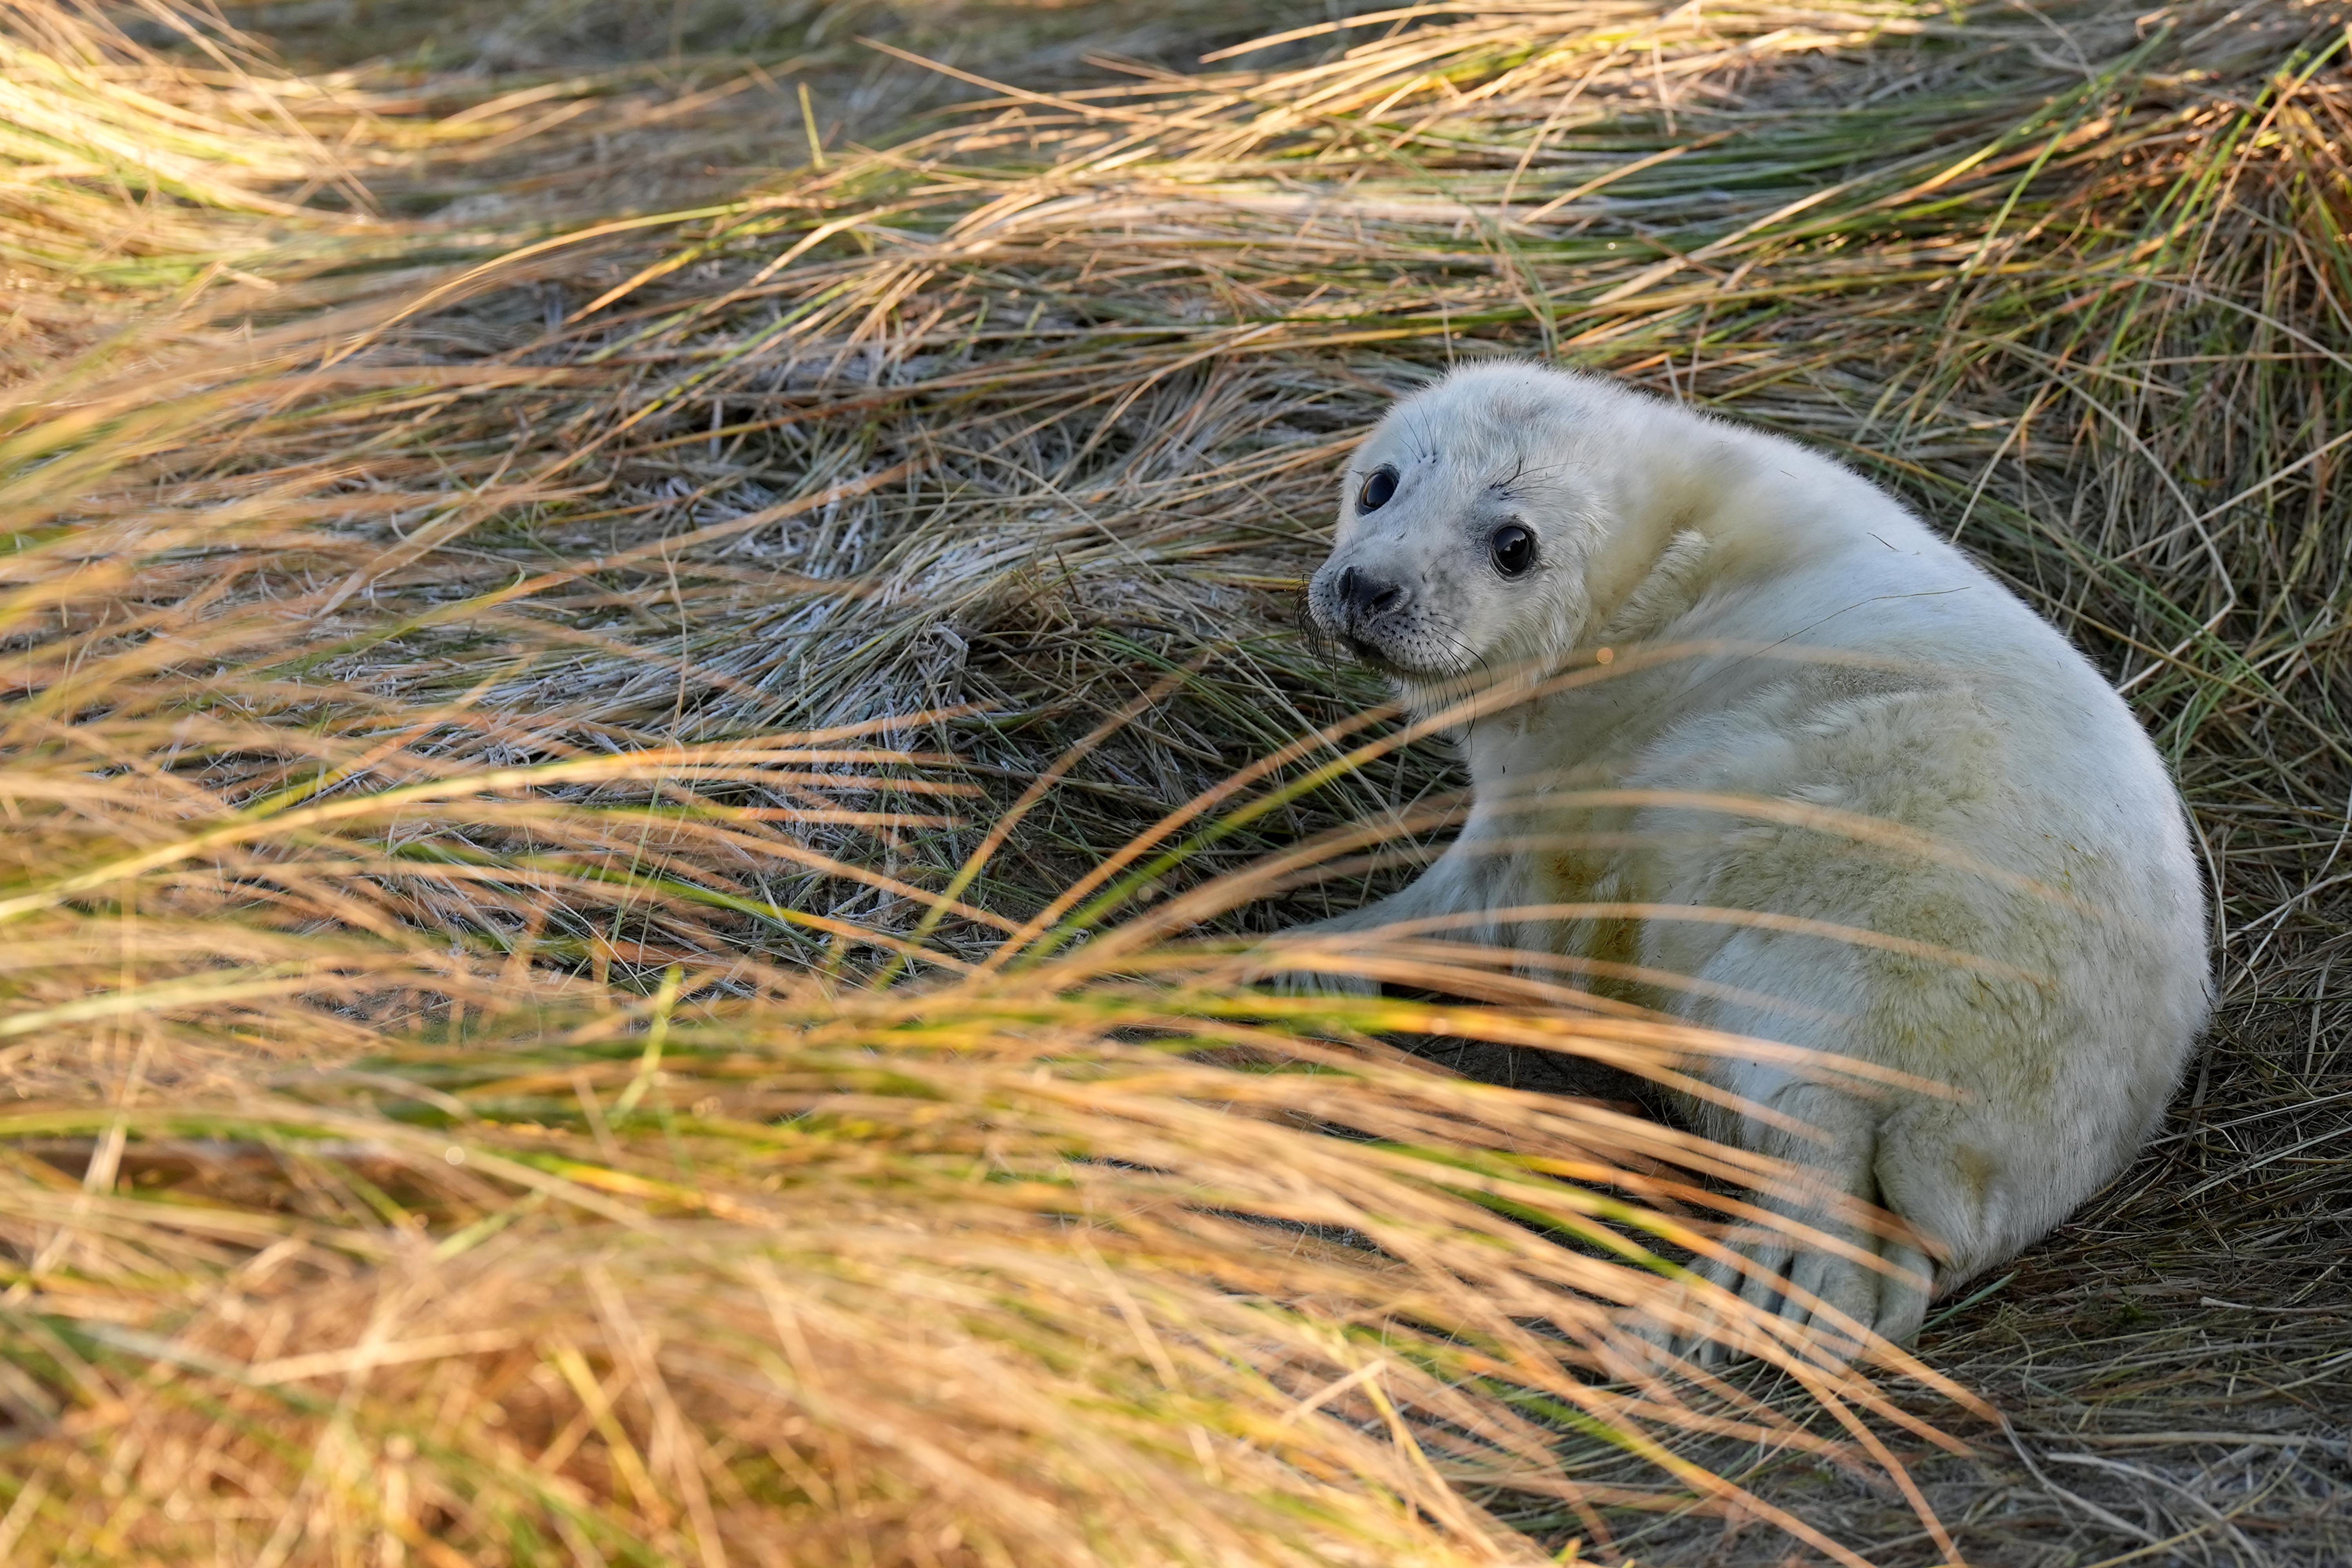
(1512,548)
(1379,486)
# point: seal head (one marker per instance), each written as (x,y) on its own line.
(1474,526)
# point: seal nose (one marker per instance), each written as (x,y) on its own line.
(1363,595)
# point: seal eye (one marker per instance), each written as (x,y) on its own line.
(1514,549)
(1377,489)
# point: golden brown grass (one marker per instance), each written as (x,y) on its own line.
(352,1204)
(515,715)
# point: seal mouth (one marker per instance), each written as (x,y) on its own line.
(1389,664)
(1362,643)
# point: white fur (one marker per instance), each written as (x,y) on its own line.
(1875,671)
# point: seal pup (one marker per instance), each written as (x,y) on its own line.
(1932,763)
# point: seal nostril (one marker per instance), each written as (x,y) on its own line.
(1363,597)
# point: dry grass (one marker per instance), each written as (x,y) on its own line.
(1026,424)
(321,1024)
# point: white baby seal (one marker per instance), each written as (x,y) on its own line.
(1934,770)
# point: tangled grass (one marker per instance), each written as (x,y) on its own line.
(495,688)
